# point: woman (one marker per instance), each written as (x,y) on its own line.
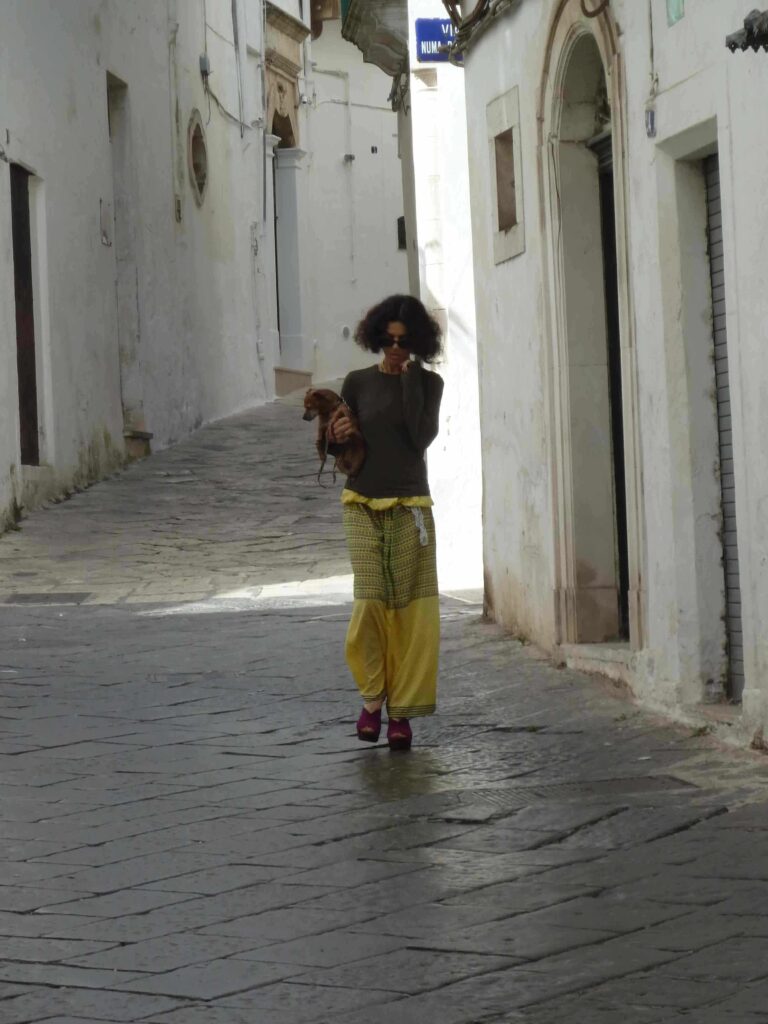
(393,636)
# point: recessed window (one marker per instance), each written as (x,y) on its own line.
(505,180)
(675,11)
(507,209)
(197,157)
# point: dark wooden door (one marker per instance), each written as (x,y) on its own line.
(604,152)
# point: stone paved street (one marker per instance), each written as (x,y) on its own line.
(192,834)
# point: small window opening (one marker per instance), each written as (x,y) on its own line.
(675,11)
(402,242)
(198,157)
(506,198)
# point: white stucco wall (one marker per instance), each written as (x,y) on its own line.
(511,345)
(197,310)
(705,96)
(434,148)
(350,240)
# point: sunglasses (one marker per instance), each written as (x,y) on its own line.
(388,341)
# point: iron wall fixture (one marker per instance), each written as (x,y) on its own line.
(602,7)
(479,19)
(454,10)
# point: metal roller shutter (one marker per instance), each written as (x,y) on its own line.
(727,483)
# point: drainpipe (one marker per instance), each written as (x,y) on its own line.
(177,158)
(344,76)
(238,66)
(600,9)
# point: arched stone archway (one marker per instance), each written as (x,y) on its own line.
(284,64)
(281,113)
(592,356)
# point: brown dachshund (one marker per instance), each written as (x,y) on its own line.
(326,406)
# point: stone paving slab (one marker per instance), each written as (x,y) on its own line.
(191,832)
(43,1002)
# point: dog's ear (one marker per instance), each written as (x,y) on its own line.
(310,405)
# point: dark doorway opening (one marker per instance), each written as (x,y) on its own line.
(282,127)
(275,217)
(733,626)
(26,356)
(604,153)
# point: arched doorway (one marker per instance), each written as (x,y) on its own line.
(594,461)
(284,60)
(283,129)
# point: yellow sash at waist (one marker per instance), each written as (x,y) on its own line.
(349,497)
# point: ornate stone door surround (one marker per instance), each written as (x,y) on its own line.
(568,27)
(284,64)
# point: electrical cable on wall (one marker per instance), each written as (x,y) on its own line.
(205,71)
(228,114)
(236,38)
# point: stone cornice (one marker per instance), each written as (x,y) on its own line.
(280,62)
(379,29)
(285,23)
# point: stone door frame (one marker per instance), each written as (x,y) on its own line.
(568,26)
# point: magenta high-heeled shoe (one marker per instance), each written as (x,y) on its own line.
(369,725)
(399,735)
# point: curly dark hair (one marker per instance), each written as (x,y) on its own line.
(423,334)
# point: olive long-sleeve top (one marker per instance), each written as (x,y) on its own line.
(399,418)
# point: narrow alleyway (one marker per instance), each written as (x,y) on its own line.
(192,834)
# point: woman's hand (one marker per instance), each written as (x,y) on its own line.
(340,429)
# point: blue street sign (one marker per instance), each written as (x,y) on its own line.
(431,35)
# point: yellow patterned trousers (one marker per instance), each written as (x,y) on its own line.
(394,634)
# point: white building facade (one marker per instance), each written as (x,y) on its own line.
(335,194)
(172,198)
(428,96)
(617,153)
(355,197)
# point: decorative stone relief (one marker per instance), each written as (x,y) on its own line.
(380,31)
(284,59)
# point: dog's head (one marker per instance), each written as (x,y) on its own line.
(319,401)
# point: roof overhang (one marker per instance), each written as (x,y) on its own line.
(322,11)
